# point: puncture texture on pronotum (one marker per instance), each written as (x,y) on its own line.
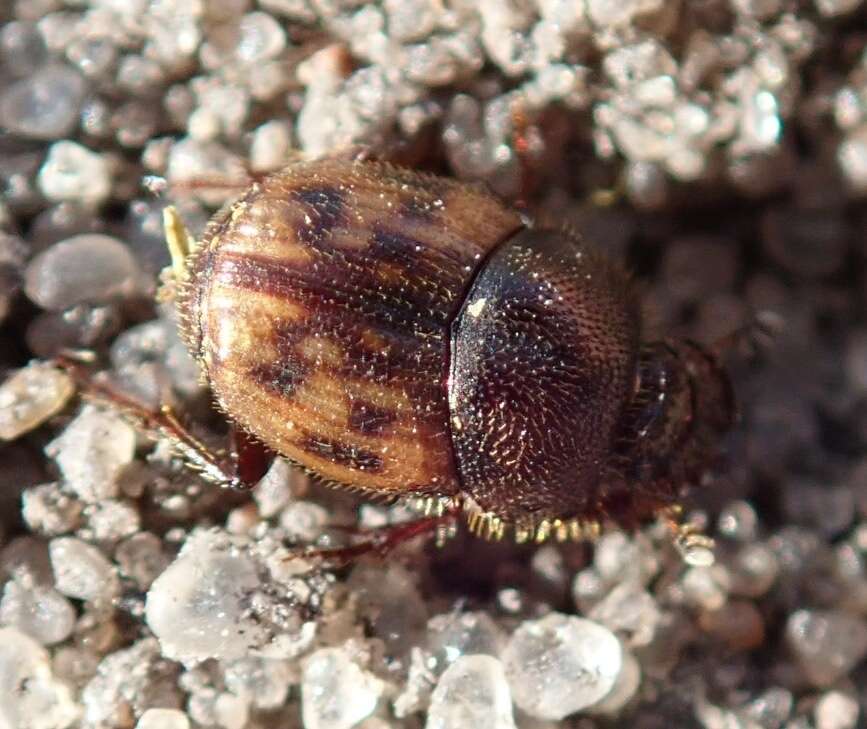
(411,336)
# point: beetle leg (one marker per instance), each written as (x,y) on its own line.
(383,540)
(216,187)
(412,154)
(240,469)
(757,334)
(252,458)
(695,548)
(354,153)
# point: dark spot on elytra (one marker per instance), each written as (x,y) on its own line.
(286,335)
(411,332)
(369,419)
(341,454)
(394,247)
(324,208)
(433,290)
(283,377)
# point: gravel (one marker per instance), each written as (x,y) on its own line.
(720,151)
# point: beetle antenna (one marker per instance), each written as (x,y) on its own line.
(178,240)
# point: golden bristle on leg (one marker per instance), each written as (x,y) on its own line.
(696,548)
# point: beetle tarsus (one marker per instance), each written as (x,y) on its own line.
(695,548)
(384,540)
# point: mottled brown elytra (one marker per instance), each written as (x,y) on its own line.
(409,335)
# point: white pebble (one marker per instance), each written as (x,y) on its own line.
(261,38)
(198,607)
(629,609)
(264,681)
(111,520)
(204,125)
(30,396)
(271,146)
(191,160)
(231,712)
(242,520)
(759,9)
(85,268)
(831,8)
(74,173)
(37,610)
(706,587)
(412,20)
(30,696)
(827,643)
(303,520)
(852,158)
(389,601)
(618,558)
(420,683)
(273,492)
(561,664)
(82,571)
(126,681)
(49,510)
(336,693)
(45,105)
(455,634)
(618,12)
(836,710)
(163,719)
(472,692)
(624,689)
(92,451)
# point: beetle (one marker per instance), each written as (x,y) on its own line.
(412,336)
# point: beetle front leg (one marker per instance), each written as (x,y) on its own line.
(240,467)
